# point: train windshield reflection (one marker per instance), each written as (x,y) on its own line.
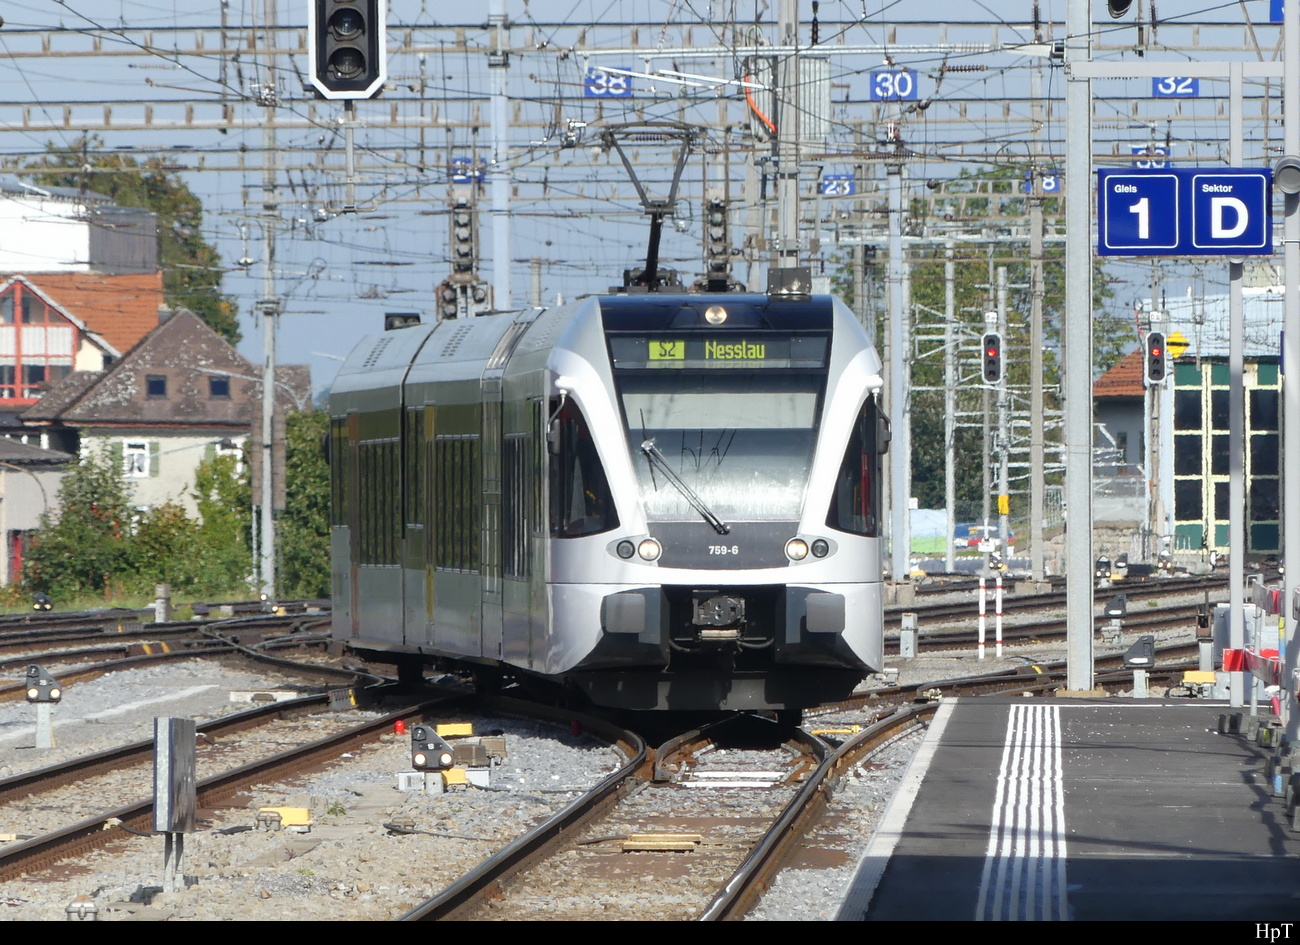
(742,442)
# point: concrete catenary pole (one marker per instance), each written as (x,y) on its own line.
(1077,354)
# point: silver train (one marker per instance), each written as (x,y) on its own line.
(639,501)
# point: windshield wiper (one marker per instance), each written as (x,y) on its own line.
(656,458)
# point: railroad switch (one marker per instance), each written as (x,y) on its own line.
(661,842)
(82,909)
(296,819)
(454,729)
(455,777)
(1199,683)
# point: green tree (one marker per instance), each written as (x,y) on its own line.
(225,504)
(192,271)
(86,546)
(992,201)
(91,546)
(165,550)
(304,528)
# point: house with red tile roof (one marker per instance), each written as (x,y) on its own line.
(180,395)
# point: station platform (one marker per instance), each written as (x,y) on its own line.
(1056,809)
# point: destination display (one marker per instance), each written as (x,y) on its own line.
(750,350)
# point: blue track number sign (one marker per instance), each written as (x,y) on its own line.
(892,85)
(1141,214)
(1184,212)
(837,185)
(1175,86)
(598,83)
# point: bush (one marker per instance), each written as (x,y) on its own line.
(91,548)
(89,543)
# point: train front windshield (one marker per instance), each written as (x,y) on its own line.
(732,445)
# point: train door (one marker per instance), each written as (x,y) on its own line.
(414,510)
(490,520)
(345,536)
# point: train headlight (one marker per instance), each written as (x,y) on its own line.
(649,549)
(821,548)
(625,549)
(715,314)
(796,549)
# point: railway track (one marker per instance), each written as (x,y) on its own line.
(682,831)
(751,861)
(94,832)
(1140,594)
(519,883)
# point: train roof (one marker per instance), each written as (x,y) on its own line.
(650,312)
(462,347)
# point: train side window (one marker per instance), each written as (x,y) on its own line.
(414,450)
(856,499)
(514,506)
(581,502)
(457,463)
(339,444)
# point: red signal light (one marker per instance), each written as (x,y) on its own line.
(991,367)
(1155,358)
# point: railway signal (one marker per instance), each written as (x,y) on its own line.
(717,244)
(346,47)
(428,749)
(463,233)
(41,686)
(1155,357)
(991,357)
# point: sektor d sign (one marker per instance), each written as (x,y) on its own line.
(1185,212)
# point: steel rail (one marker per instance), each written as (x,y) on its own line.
(112,759)
(753,877)
(14,690)
(97,831)
(488,876)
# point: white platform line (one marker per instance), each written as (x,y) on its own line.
(1023,875)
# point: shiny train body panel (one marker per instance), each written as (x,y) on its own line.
(649,501)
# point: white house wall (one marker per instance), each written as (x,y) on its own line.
(168,474)
(23,497)
(40,235)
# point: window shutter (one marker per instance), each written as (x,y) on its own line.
(118,452)
(154,451)
(210,452)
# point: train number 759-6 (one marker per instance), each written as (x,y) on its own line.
(724,549)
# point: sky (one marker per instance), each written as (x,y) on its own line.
(572,208)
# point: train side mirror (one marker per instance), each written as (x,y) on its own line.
(553,428)
(884,434)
